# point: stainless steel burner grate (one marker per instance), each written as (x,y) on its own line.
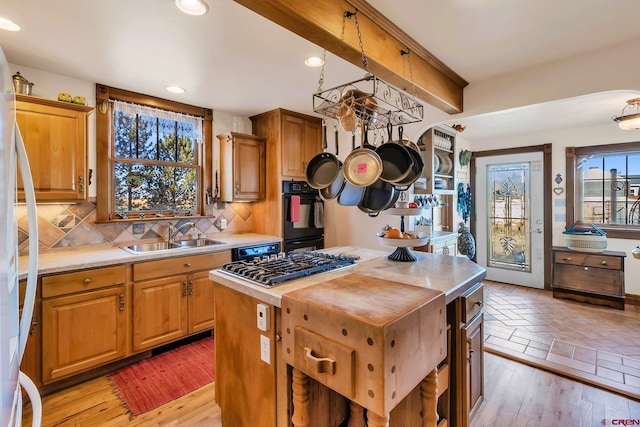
(268,271)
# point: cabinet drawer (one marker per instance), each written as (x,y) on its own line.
(328,361)
(79,281)
(472,301)
(594,280)
(589,260)
(181,265)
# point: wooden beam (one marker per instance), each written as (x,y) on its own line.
(321,22)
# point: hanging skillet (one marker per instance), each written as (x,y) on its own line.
(418,164)
(396,159)
(336,187)
(363,166)
(350,194)
(323,168)
(377,197)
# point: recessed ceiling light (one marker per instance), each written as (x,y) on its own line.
(313,61)
(9,25)
(193,7)
(175,89)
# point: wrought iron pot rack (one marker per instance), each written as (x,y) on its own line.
(373,101)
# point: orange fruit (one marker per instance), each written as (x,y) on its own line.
(394,233)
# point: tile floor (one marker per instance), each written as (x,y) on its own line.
(597,345)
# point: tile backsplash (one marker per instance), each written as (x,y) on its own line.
(66,225)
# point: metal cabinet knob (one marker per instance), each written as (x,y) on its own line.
(87,281)
(604,262)
(586,269)
(566,259)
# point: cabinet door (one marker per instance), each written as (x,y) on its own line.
(55,139)
(249,164)
(293,149)
(159,311)
(472,337)
(83,331)
(312,142)
(201,304)
(32,360)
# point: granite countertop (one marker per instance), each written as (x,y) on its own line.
(62,260)
(450,275)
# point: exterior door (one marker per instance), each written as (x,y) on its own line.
(510,213)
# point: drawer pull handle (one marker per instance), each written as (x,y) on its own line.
(320,365)
(187,264)
(87,281)
(478,303)
(604,262)
(586,269)
(566,259)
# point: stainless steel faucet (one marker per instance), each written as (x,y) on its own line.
(173,231)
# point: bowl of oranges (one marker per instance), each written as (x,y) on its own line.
(395,237)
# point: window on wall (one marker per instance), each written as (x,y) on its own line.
(152,156)
(605,184)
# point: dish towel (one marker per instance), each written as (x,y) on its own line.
(318,214)
(294,214)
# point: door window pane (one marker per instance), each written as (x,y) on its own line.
(509,245)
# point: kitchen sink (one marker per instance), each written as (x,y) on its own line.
(179,244)
(196,243)
(150,247)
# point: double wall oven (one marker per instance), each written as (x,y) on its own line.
(303,216)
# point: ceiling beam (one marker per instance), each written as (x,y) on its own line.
(321,22)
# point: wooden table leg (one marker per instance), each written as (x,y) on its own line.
(300,398)
(429,395)
(356,415)
(375,420)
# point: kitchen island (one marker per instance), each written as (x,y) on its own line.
(254,381)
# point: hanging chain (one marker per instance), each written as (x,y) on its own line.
(413,83)
(365,61)
(321,79)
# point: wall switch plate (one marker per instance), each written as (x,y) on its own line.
(262,313)
(223,223)
(265,349)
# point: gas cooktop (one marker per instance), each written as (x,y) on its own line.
(270,270)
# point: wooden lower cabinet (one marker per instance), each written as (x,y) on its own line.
(31,360)
(247,387)
(472,335)
(89,318)
(159,311)
(169,308)
(82,331)
(597,278)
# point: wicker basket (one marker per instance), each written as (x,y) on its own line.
(585,238)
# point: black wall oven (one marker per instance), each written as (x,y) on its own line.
(303,217)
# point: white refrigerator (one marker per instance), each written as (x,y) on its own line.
(14,329)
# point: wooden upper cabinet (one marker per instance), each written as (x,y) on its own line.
(301,140)
(55,136)
(242,167)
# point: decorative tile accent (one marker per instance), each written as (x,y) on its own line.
(77,221)
(83,234)
(137,228)
(82,209)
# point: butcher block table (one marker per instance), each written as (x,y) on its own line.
(371,340)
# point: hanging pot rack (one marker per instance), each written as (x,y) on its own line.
(373,100)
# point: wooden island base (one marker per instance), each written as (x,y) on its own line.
(301,416)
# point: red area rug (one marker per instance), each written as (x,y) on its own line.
(151,383)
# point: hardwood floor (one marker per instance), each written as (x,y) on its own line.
(516,395)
